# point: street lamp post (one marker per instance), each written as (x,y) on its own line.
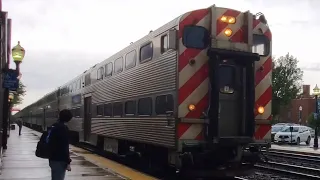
(10,99)
(316,92)
(300,114)
(18,54)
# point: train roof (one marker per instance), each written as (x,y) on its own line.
(171,24)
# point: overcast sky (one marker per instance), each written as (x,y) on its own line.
(63,38)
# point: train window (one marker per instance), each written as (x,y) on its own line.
(164,104)
(99,110)
(118,65)
(130,108)
(164,43)
(87,80)
(146,52)
(108,109)
(79,84)
(227,76)
(131,59)
(195,37)
(145,106)
(100,73)
(75,85)
(48,114)
(109,69)
(117,109)
(261,45)
(65,90)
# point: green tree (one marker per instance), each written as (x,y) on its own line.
(18,96)
(274,120)
(312,122)
(286,81)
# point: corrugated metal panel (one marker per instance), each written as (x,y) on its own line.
(151,77)
(154,131)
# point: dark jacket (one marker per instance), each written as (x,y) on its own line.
(19,122)
(59,143)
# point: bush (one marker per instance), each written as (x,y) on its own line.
(312,122)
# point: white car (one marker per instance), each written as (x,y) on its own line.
(312,132)
(299,134)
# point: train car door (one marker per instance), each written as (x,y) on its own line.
(231,107)
(87,118)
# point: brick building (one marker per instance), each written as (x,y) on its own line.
(291,112)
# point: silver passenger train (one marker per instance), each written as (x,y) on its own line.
(186,95)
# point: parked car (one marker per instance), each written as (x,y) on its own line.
(276,128)
(297,135)
(312,131)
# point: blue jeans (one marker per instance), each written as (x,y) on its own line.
(58,169)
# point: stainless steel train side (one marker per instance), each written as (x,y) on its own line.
(151,78)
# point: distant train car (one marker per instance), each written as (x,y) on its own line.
(194,94)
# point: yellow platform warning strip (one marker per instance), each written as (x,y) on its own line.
(114,166)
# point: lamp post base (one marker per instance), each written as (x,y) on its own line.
(315,144)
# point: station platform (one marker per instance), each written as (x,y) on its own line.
(302,148)
(20,163)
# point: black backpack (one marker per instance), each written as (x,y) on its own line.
(43,146)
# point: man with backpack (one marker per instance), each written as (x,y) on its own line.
(57,139)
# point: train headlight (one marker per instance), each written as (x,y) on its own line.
(260,110)
(228,32)
(228,19)
(191,107)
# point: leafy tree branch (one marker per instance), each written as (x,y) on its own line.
(286,81)
(18,96)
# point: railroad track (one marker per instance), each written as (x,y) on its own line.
(240,178)
(305,160)
(290,170)
(292,164)
(293,155)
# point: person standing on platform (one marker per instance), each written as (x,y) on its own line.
(19,123)
(59,159)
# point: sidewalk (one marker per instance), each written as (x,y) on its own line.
(19,162)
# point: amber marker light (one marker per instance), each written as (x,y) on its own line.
(260,110)
(191,107)
(228,32)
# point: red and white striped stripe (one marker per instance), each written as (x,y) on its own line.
(238,40)
(263,84)
(193,80)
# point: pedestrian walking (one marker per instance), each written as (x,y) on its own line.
(59,158)
(19,123)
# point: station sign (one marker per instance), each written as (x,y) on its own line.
(11,80)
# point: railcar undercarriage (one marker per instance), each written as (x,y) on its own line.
(220,161)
